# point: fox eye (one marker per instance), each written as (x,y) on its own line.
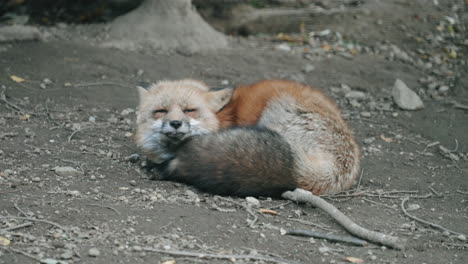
(158,113)
(190,110)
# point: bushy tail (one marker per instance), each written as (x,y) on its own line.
(243,161)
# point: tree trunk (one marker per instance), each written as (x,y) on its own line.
(166,25)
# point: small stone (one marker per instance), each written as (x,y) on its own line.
(355,95)
(283,47)
(406,98)
(461,237)
(137,248)
(140,72)
(49,261)
(368,141)
(443,88)
(251,201)
(127,111)
(225,82)
(1,152)
(345,88)
(128,134)
(66,171)
(67,254)
(47,81)
(191,194)
(94,252)
(92,177)
(366,114)
(133,183)
(308,68)
(413,207)
(446,233)
(92,119)
(324,32)
(373,257)
(42,85)
(36,179)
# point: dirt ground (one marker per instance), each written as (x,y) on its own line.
(74,103)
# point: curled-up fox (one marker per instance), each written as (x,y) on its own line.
(256,140)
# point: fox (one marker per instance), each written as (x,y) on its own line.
(260,139)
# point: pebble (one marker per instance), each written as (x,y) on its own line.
(92,177)
(366,114)
(413,207)
(92,119)
(66,171)
(36,179)
(47,81)
(94,252)
(461,237)
(133,183)
(308,68)
(355,95)
(49,261)
(345,88)
(67,254)
(140,72)
(443,88)
(283,47)
(251,201)
(128,134)
(406,98)
(225,82)
(127,111)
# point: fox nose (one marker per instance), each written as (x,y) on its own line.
(175,124)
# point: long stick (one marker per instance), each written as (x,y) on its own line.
(300,195)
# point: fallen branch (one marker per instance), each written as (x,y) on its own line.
(105,206)
(436,226)
(11,228)
(101,84)
(3,98)
(330,237)
(22,253)
(35,220)
(216,256)
(300,195)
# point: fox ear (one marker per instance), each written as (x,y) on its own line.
(142,92)
(218,99)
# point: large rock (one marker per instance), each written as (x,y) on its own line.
(406,98)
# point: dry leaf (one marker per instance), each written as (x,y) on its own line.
(386,139)
(267,211)
(25,117)
(326,47)
(17,79)
(4,241)
(354,260)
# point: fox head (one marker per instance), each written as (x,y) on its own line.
(171,111)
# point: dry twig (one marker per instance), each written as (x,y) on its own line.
(301,195)
(105,206)
(35,220)
(11,228)
(330,237)
(22,253)
(436,226)
(216,256)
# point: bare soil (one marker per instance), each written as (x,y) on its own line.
(84,118)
